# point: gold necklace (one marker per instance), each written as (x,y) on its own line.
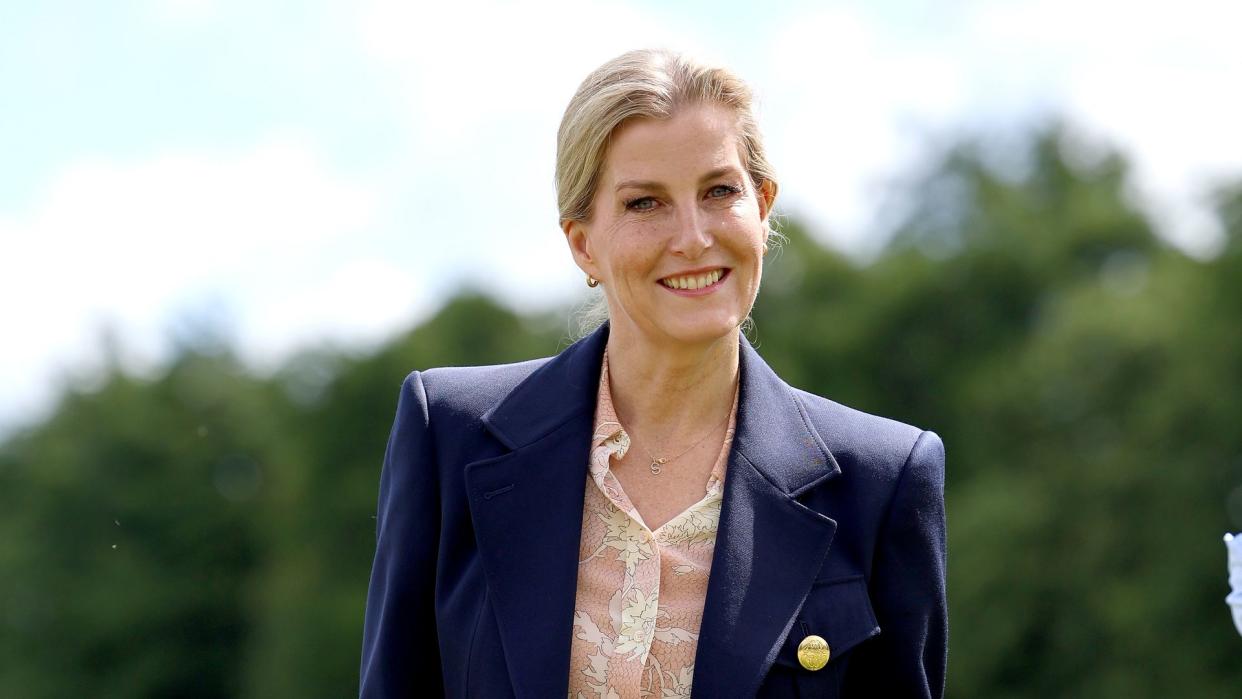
(656,463)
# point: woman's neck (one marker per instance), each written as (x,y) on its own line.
(674,393)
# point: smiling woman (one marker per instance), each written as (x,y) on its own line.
(674,206)
(654,510)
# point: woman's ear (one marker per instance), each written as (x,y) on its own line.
(580,246)
(767,197)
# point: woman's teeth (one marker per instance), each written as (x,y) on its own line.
(694,281)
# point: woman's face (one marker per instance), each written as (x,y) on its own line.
(677,229)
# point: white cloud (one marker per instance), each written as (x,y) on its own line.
(468,69)
(135,244)
(360,301)
(1154,79)
(853,96)
(845,108)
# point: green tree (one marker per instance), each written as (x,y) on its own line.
(126,536)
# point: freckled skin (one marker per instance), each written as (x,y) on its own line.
(684,223)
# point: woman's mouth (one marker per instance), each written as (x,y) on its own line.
(696,284)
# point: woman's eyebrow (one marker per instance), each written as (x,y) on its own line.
(718,172)
(657,186)
(639,184)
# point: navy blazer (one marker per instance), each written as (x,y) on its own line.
(832,523)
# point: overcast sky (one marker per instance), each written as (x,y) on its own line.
(331,171)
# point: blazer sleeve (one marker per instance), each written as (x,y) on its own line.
(400,650)
(909,657)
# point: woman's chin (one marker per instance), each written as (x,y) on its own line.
(701,331)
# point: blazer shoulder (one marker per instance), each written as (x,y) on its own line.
(471,390)
(882,444)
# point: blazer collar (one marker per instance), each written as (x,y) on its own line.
(526,507)
(771,420)
(560,389)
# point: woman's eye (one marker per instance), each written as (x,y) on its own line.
(640,204)
(723,190)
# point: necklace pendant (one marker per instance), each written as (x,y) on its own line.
(655,466)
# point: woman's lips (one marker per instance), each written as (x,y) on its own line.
(702,291)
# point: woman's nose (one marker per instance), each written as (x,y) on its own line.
(692,235)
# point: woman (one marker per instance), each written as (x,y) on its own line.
(653,509)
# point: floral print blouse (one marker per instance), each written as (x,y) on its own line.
(639,600)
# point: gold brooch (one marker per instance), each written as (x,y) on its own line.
(813,652)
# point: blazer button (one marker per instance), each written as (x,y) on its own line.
(813,652)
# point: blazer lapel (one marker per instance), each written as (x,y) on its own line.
(527,512)
(769,546)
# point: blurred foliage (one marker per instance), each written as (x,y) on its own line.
(209,532)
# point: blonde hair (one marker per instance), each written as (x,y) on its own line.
(650,83)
